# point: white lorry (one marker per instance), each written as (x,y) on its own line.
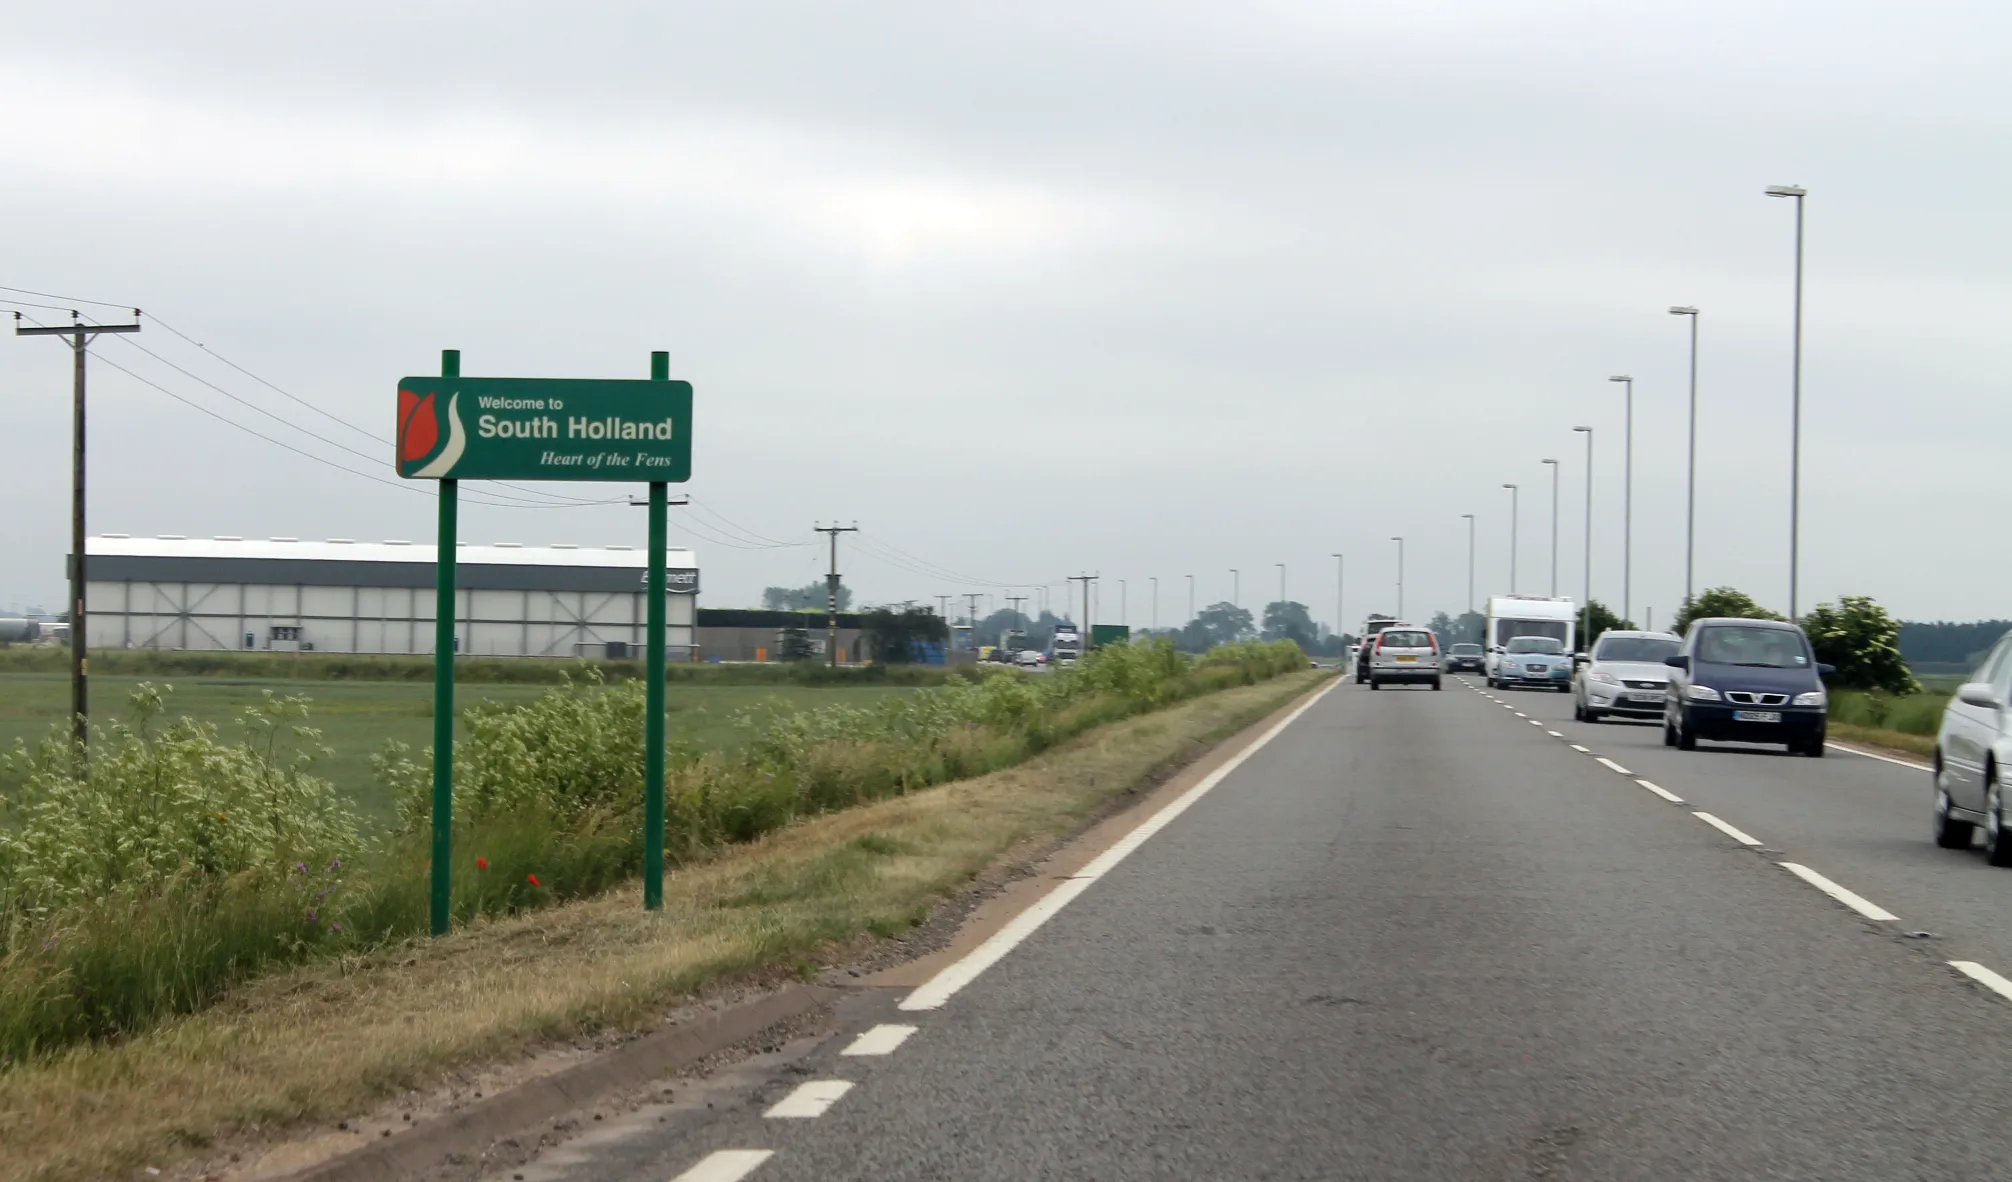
(1511,616)
(1065,647)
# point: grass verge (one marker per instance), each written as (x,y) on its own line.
(324,1041)
(1900,742)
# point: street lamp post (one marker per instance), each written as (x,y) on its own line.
(1124,615)
(1156,601)
(1400,575)
(1515,495)
(1236,587)
(1586,608)
(1470,562)
(1628,504)
(1691,479)
(1554,527)
(1339,563)
(1795,421)
(1281,580)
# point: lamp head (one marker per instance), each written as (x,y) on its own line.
(1683,310)
(1587,430)
(1548,461)
(1621,378)
(1786,191)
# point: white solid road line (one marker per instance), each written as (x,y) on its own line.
(1729,831)
(881,1040)
(1612,766)
(726,1165)
(1856,902)
(932,993)
(1665,793)
(1919,767)
(810,1099)
(1983,976)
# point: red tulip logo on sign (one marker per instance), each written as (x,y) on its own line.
(419,434)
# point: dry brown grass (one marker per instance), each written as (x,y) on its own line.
(328,1041)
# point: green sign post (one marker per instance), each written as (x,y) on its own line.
(452,428)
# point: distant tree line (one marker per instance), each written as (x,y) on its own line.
(809,597)
(1947,643)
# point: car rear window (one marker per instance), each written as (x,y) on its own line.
(1465,649)
(1397,638)
(1646,649)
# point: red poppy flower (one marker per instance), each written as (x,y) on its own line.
(533,880)
(482,863)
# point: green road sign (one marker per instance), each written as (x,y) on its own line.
(544,429)
(1103,634)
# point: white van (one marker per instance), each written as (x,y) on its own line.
(1511,616)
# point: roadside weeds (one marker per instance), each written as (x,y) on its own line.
(323,1042)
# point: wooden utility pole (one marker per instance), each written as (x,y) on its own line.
(1086,580)
(79,335)
(831,586)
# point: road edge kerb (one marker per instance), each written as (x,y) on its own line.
(535,1102)
(1079,849)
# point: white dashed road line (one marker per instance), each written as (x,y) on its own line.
(1612,766)
(1665,793)
(1580,750)
(1554,734)
(1983,976)
(932,993)
(1534,722)
(726,1165)
(1737,835)
(1856,902)
(1919,767)
(881,1040)
(810,1099)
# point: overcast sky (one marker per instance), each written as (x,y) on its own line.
(1037,289)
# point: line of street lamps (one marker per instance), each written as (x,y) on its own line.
(1690,468)
(1627,383)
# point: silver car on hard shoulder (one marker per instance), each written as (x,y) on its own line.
(1624,675)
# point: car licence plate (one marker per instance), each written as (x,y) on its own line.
(1407,660)
(1645,697)
(1756,716)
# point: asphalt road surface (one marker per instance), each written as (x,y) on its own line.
(1421,935)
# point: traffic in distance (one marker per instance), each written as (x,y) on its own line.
(1724,680)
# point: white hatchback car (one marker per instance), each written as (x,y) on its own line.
(1404,654)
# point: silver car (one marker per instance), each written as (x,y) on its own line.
(1533,660)
(1625,675)
(1972,751)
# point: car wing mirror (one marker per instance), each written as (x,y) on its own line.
(1680,661)
(1980,693)
(1823,670)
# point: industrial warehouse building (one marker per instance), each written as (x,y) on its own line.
(342,596)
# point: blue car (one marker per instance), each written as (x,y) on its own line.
(1746,681)
(1533,660)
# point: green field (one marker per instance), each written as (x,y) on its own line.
(357,717)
